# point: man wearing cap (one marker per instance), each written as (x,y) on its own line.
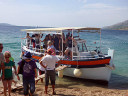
(29,73)
(1,57)
(48,62)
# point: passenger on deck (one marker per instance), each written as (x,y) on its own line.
(69,46)
(37,42)
(51,38)
(56,42)
(28,40)
(33,40)
(60,43)
(64,42)
(62,39)
(51,46)
(42,35)
(45,42)
(67,35)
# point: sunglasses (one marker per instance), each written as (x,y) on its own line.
(27,59)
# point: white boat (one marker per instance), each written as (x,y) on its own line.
(85,63)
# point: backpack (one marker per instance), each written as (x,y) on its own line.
(21,67)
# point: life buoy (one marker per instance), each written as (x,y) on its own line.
(77,72)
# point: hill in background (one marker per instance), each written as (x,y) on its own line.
(5,27)
(119,26)
(5,24)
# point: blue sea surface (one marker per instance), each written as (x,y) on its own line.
(114,39)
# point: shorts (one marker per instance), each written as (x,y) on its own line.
(10,78)
(50,74)
(41,72)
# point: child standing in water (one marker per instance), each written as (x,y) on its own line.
(7,80)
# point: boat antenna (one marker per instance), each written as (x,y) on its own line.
(72,44)
(62,43)
(100,39)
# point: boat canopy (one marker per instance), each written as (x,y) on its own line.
(59,30)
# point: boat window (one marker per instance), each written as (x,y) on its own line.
(82,47)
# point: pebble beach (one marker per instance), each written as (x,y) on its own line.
(63,91)
(87,89)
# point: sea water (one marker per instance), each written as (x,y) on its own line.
(11,36)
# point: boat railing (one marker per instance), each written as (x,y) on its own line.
(92,52)
(102,50)
(84,57)
(30,47)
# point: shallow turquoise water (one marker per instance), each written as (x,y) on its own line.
(114,39)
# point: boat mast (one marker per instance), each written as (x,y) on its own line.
(72,44)
(100,39)
(62,44)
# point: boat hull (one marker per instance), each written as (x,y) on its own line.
(99,73)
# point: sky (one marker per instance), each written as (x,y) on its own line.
(63,13)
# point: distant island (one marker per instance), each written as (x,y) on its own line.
(6,24)
(11,27)
(119,26)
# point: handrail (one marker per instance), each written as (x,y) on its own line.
(83,56)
